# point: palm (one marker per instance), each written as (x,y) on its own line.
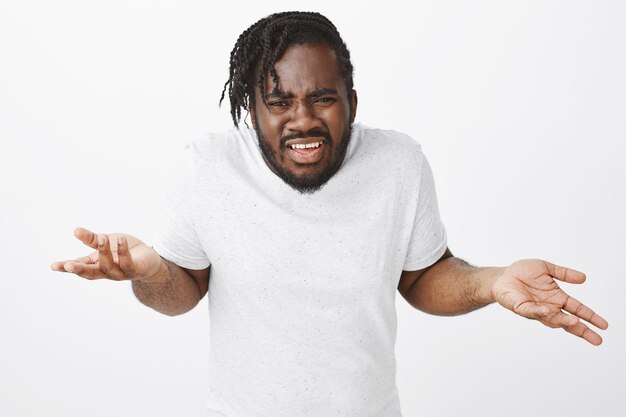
(130,260)
(529,289)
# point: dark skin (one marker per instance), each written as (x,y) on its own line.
(311,100)
(313,97)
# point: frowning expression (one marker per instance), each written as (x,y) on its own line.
(305,128)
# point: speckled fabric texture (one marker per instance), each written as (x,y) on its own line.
(302,287)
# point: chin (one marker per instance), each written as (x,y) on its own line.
(300,178)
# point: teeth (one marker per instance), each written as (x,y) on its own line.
(306,146)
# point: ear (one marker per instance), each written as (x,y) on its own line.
(354,101)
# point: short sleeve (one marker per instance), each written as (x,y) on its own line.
(428,240)
(176,238)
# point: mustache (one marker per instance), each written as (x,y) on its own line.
(313,133)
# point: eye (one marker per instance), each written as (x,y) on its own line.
(325,100)
(277,103)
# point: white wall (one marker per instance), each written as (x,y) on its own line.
(519,106)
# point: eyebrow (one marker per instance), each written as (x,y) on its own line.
(323,92)
(315,93)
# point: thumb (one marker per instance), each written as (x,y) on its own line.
(532,310)
(88,237)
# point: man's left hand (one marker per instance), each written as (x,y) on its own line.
(529,288)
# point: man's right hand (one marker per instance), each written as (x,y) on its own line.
(117,257)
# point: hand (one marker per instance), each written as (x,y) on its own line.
(529,289)
(118,257)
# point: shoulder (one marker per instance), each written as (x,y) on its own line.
(220,144)
(218,150)
(390,146)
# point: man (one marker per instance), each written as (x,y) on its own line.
(307,225)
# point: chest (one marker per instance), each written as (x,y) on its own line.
(350,241)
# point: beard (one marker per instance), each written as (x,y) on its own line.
(314,181)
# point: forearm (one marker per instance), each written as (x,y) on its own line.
(453,287)
(170,291)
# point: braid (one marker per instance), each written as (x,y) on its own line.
(259,47)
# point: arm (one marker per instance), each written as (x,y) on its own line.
(156,282)
(173,290)
(528,288)
(449,287)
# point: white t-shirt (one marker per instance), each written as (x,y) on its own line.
(302,286)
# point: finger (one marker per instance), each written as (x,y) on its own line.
(577,308)
(584,332)
(88,237)
(557,319)
(124,257)
(565,274)
(105,258)
(59,265)
(84,271)
(89,259)
(535,311)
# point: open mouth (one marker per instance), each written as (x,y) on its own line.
(306,153)
(306,145)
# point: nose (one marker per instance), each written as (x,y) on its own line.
(303,118)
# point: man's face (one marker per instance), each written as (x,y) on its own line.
(305,129)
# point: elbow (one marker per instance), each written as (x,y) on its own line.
(436,304)
(416,301)
(172,309)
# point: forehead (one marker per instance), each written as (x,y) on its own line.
(307,67)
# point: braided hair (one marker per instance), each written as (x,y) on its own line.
(262,44)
